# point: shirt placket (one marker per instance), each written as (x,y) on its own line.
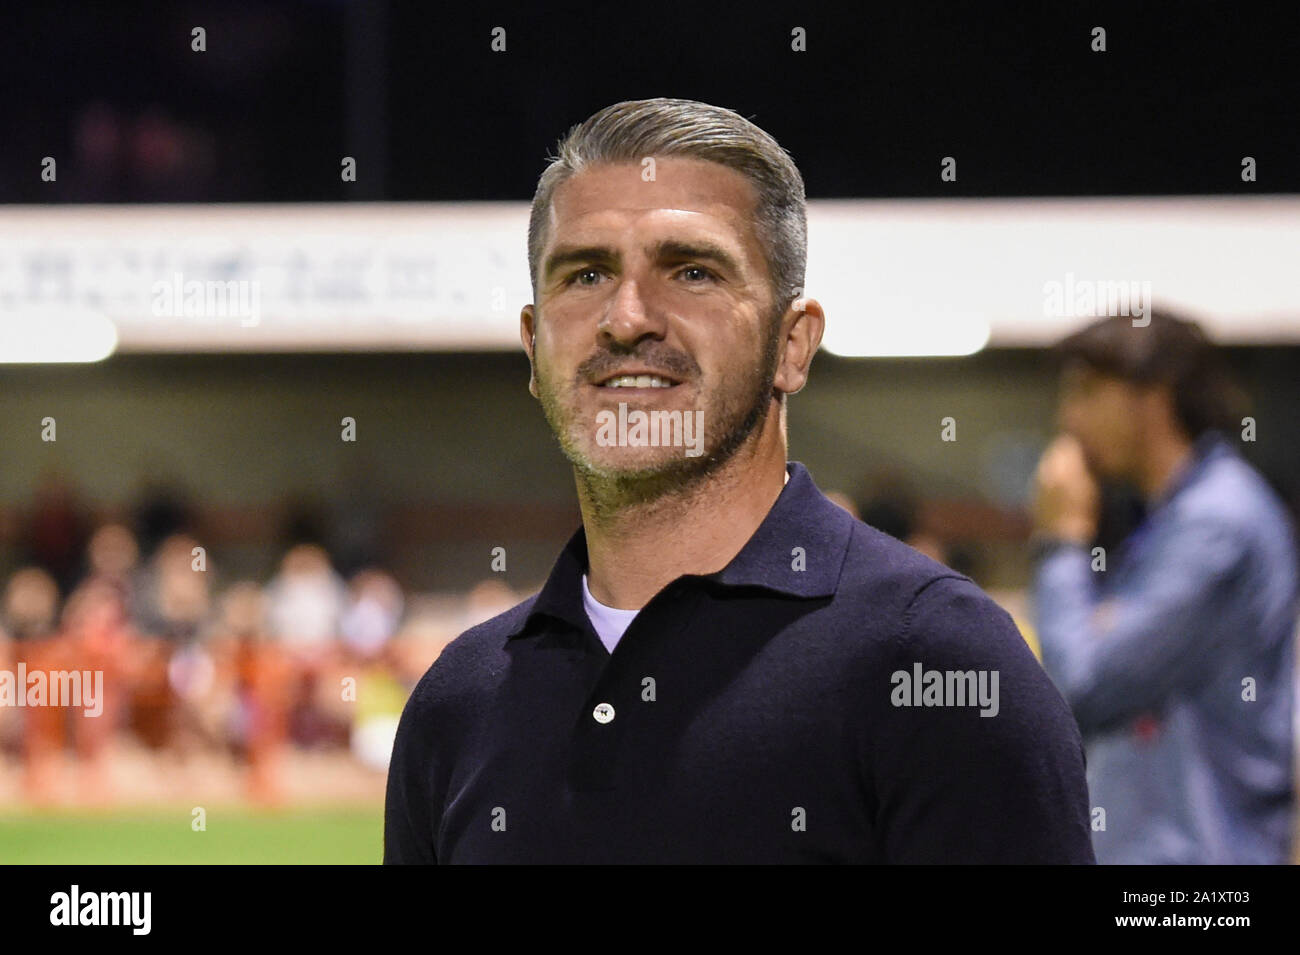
(611,701)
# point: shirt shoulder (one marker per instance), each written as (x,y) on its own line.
(1233,495)
(930,610)
(1233,508)
(470,662)
(889,574)
(971,753)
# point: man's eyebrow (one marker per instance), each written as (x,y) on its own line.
(570,254)
(695,249)
(676,249)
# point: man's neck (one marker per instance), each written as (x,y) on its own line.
(633,552)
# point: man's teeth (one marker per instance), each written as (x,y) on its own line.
(638,381)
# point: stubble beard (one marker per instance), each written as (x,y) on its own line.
(673,475)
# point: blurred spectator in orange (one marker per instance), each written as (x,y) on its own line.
(28,616)
(262,678)
(97,637)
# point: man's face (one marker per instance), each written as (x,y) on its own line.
(663,278)
(1105,413)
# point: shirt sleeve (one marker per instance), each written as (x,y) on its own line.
(998,780)
(1125,656)
(409,823)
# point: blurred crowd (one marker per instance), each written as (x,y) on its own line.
(309,658)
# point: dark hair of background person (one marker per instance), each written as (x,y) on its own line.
(1171,350)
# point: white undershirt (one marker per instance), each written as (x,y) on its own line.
(610,623)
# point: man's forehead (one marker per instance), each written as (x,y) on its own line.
(685,188)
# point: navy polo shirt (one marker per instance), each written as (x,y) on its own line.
(831,695)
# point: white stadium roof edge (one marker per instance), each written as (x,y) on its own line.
(895,277)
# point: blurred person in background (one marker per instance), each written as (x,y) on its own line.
(113,556)
(175,597)
(370,620)
(29,616)
(29,609)
(305,604)
(372,614)
(256,677)
(174,601)
(97,636)
(1178,657)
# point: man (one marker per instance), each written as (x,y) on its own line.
(723,666)
(1176,652)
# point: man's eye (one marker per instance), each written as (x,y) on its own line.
(574,278)
(697,268)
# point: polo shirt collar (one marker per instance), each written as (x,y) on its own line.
(802,517)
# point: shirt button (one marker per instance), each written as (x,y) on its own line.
(603,713)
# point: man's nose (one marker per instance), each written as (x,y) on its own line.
(629,317)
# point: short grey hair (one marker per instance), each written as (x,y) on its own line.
(634,129)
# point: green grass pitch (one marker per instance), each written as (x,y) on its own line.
(232,836)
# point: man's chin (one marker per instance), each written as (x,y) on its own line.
(636,464)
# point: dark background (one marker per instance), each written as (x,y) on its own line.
(415,93)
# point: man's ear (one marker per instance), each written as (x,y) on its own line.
(801,329)
(528,336)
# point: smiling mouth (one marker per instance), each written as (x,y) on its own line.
(637,381)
